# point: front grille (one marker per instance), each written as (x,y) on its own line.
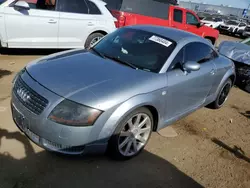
(224,27)
(62,148)
(29,98)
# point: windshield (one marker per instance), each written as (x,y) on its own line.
(144,50)
(232,22)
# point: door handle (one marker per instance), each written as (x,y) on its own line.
(52,21)
(90,23)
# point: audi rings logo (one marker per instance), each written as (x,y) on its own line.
(23,94)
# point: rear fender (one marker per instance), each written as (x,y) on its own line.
(229,73)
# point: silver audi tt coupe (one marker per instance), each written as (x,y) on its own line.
(110,97)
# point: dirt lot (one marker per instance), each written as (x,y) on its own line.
(212,149)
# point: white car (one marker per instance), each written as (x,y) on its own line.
(212,22)
(233,27)
(54,24)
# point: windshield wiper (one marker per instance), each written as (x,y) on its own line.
(122,62)
(98,53)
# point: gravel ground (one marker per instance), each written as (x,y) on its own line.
(211,149)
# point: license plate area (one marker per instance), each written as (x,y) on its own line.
(23,125)
(18,117)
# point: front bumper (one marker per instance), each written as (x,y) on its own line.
(50,135)
(224,30)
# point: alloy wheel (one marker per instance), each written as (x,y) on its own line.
(94,40)
(224,94)
(134,134)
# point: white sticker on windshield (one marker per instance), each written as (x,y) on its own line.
(160,40)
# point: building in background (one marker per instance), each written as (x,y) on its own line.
(221,9)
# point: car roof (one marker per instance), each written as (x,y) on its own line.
(171,33)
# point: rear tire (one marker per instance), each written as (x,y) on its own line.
(92,39)
(222,96)
(131,135)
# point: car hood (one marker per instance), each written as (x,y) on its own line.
(236,51)
(91,80)
(224,24)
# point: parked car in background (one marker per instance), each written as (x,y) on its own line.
(133,12)
(246,32)
(234,27)
(65,24)
(135,80)
(239,52)
(212,22)
(203,15)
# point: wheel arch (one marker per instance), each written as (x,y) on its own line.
(212,39)
(123,110)
(155,115)
(229,75)
(102,31)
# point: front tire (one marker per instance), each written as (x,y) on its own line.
(131,135)
(223,95)
(93,38)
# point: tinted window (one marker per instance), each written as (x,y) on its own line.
(152,8)
(209,18)
(178,14)
(144,50)
(40,4)
(198,52)
(73,6)
(178,60)
(232,23)
(191,19)
(93,9)
(242,25)
(218,20)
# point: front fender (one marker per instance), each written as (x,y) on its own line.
(229,73)
(153,99)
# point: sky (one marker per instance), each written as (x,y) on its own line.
(233,3)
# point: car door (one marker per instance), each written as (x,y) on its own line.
(191,23)
(188,91)
(33,28)
(178,18)
(75,23)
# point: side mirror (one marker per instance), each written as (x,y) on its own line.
(191,66)
(22,5)
(199,25)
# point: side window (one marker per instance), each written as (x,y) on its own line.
(178,61)
(199,52)
(93,9)
(191,19)
(40,4)
(178,15)
(73,6)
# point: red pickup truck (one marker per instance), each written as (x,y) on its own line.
(159,12)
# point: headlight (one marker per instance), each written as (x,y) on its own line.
(74,114)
